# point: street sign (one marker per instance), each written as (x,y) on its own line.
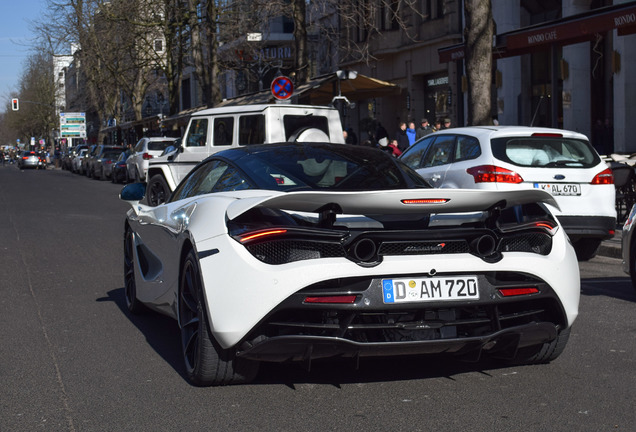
(282,88)
(73,125)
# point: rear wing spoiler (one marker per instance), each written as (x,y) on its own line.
(400,201)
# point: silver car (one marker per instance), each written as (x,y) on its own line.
(29,159)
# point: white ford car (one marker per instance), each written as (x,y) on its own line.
(561,162)
(304,251)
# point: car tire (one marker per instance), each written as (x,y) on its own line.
(206,362)
(632,264)
(544,353)
(157,190)
(130,285)
(586,248)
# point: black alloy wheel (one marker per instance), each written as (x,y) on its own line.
(158,190)
(206,362)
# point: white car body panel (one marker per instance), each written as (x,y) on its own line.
(247,289)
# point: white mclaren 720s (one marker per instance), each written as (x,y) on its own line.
(302,251)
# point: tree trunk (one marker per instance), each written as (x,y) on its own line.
(478,36)
(301,55)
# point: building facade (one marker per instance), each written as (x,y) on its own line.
(567,64)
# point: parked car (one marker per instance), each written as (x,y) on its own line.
(29,159)
(560,162)
(216,129)
(77,161)
(301,251)
(628,245)
(103,167)
(84,166)
(146,149)
(119,170)
(94,160)
(71,155)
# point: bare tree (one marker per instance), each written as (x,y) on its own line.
(36,116)
(478,35)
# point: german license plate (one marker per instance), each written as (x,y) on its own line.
(560,188)
(430,289)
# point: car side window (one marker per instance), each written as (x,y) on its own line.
(440,151)
(223,131)
(214,176)
(413,157)
(252,129)
(467,148)
(197,134)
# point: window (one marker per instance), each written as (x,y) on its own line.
(251,129)
(440,152)
(467,148)
(545,151)
(158,45)
(223,131)
(198,133)
(413,158)
(214,176)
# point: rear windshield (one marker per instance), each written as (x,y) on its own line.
(545,152)
(159,145)
(111,154)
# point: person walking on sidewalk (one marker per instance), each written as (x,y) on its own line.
(401,137)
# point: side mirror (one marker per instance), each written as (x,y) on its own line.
(133,192)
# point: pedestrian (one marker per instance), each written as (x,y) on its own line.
(351,137)
(389,147)
(395,149)
(380,133)
(401,137)
(423,130)
(438,125)
(2,157)
(410,133)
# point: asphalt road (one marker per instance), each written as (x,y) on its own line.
(73,359)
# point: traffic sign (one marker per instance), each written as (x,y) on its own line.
(282,87)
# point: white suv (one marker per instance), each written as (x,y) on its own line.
(146,149)
(517,157)
(215,129)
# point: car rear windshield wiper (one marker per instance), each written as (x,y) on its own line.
(563,163)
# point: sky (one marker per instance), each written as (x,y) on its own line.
(16,36)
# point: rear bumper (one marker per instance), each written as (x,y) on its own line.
(504,344)
(576,227)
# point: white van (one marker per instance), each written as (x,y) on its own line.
(216,129)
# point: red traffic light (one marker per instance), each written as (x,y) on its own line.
(14,104)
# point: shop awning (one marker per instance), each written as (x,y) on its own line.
(569,30)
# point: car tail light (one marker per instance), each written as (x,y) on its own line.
(341,299)
(546,134)
(146,156)
(510,292)
(493,174)
(24,157)
(261,234)
(425,201)
(604,177)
